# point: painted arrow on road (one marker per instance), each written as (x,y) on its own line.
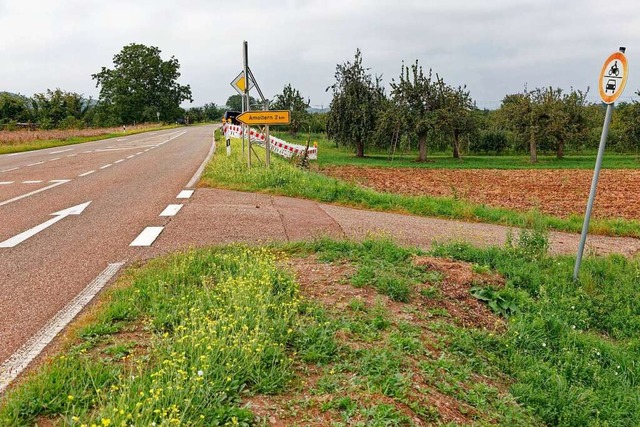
(57,216)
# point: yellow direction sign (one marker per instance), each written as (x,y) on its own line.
(275,117)
(239,83)
(613,77)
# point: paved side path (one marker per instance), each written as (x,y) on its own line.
(215,216)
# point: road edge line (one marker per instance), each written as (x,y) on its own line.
(19,360)
(196,176)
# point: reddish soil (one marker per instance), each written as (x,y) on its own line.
(554,192)
(328,285)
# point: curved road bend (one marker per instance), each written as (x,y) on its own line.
(128,181)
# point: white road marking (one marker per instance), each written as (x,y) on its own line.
(131,156)
(53,160)
(171,210)
(106,166)
(87,173)
(31,182)
(15,154)
(57,216)
(184,194)
(87,152)
(196,176)
(139,152)
(103,150)
(6,182)
(118,161)
(19,360)
(9,170)
(36,163)
(147,237)
(72,155)
(55,184)
(61,151)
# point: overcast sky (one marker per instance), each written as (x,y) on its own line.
(495,47)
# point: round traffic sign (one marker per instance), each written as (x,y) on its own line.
(613,77)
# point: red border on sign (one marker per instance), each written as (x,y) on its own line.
(610,99)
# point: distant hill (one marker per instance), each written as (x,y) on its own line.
(317,110)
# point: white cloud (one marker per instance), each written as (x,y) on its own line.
(494,47)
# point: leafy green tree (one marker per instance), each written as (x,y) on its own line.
(356,105)
(212,112)
(547,118)
(141,84)
(318,122)
(14,108)
(626,123)
(234,103)
(417,98)
(291,99)
(454,117)
(57,108)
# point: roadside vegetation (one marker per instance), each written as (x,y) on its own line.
(425,114)
(368,334)
(284,178)
(24,140)
(332,155)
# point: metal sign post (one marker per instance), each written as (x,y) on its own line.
(267,140)
(613,79)
(247,103)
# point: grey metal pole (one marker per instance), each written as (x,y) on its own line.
(245,57)
(592,193)
(242,97)
(267,140)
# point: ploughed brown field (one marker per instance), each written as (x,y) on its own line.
(554,192)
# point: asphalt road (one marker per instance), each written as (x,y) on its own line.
(46,260)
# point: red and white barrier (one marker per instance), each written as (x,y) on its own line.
(278,146)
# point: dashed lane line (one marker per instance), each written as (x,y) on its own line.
(118,161)
(54,159)
(171,210)
(56,183)
(106,166)
(32,182)
(147,237)
(61,151)
(9,170)
(19,360)
(87,173)
(6,182)
(36,163)
(184,194)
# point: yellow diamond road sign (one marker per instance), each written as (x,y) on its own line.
(239,83)
(279,117)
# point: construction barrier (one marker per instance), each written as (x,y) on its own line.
(278,146)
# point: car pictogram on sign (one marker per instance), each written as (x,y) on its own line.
(611,86)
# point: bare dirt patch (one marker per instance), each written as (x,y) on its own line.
(559,193)
(458,279)
(328,284)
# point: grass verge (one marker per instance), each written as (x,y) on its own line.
(284,179)
(71,140)
(371,334)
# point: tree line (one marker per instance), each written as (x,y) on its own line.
(423,112)
(140,87)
